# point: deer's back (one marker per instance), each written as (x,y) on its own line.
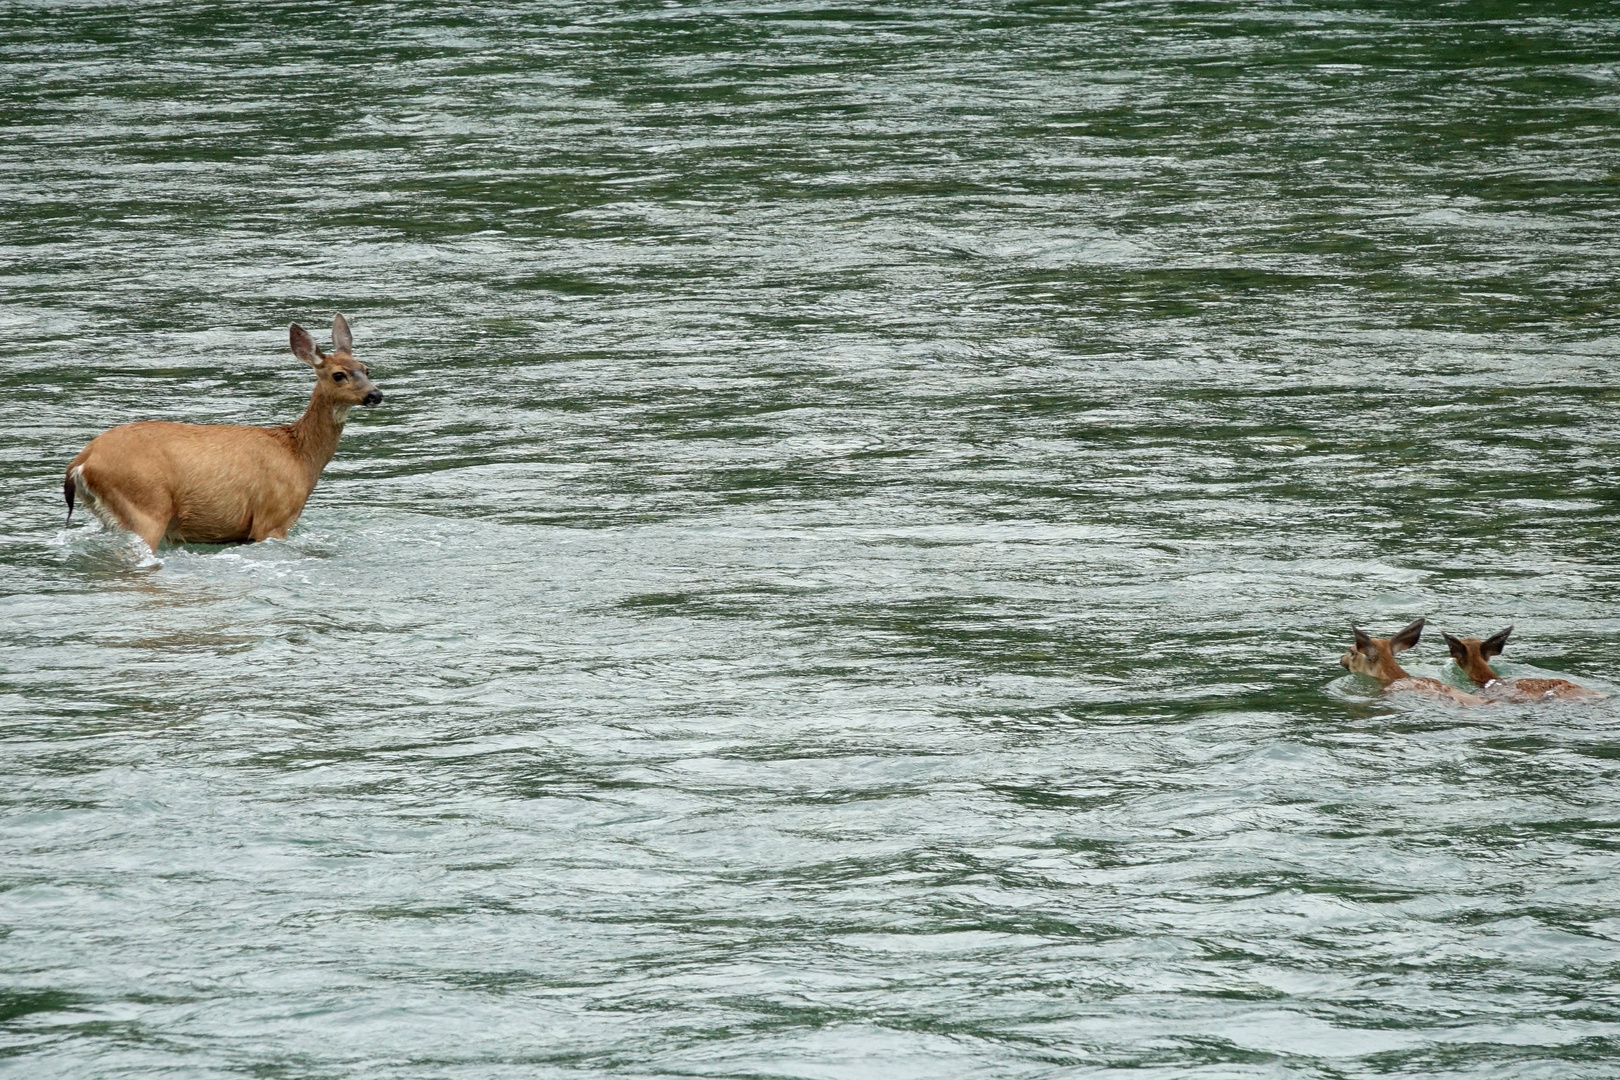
(1433,688)
(1561,689)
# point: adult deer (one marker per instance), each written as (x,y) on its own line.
(222,483)
(1375,657)
(1473,656)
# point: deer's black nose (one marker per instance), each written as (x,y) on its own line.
(373,398)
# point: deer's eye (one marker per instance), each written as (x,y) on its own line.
(338,376)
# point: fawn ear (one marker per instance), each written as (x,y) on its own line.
(1459,651)
(1493,645)
(342,340)
(1408,637)
(303,346)
(1363,642)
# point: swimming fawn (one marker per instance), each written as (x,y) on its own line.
(1376,657)
(1473,656)
(222,483)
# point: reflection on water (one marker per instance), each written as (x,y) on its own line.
(850,573)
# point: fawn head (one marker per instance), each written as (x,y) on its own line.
(339,375)
(1473,655)
(1376,656)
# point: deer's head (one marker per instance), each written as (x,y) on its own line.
(339,376)
(1474,656)
(1376,656)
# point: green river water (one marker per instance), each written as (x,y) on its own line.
(849,576)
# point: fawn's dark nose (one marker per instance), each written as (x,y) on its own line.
(373,398)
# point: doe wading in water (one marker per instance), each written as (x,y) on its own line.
(223,483)
(1375,657)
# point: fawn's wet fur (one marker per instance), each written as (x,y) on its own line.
(1375,658)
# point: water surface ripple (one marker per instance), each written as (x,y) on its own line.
(848,577)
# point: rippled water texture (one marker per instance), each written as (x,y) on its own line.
(849,576)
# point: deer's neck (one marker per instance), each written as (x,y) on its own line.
(1479,671)
(1389,670)
(315,434)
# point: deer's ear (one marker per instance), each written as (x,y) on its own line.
(1493,645)
(342,340)
(1459,651)
(303,346)
(1408,637)
(1363,642)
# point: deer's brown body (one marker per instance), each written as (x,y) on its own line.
(1473,656)
(222,483)
(1375,657)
